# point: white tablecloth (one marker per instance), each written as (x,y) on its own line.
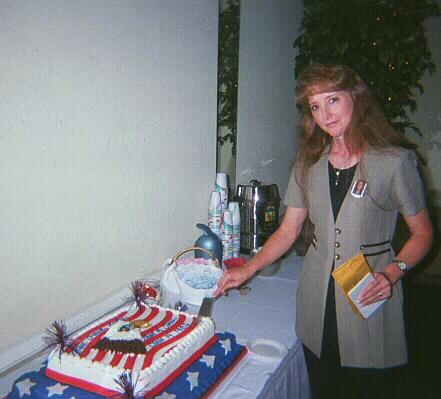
(268,312)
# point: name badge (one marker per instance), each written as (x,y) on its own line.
(358,188)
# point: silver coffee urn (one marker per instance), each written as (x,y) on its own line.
(259,214)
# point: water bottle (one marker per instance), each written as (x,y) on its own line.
(222,187)
(233,207)
(215,213)
(227,235)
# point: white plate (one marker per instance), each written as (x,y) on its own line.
(267,348)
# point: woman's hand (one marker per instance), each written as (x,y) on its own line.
(414,249)
(377,290)
(233,278)
(279,242)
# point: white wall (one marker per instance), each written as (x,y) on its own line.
(267,115)
(107,148)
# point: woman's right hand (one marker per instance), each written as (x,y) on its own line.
(233,278)
(279,242)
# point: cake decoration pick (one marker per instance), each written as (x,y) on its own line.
(128,386)
(141,294)
(58,337)
(182,307)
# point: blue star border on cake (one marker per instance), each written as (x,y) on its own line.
(198,381)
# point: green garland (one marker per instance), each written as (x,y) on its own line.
(384,41)
(229,21)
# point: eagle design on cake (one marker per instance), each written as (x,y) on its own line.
(125,336)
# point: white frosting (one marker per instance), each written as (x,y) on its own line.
(165,362)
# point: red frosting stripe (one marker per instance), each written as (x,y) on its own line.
(92,343)
(153,313)
(175,374)
(138,313)
(152,352)
(116,359)
(130,362)
(100,355)
(167,317)
(83,336)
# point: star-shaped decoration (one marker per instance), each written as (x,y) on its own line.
(226,344)
(192,378)
(208,360)
(56,389)
(24,387)
(166,395)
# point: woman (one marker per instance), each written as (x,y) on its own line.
(346,144)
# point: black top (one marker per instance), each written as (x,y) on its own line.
(330,355)
(339,190)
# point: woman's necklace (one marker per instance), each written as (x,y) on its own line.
(337,174)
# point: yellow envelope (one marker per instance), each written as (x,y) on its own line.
(349,275)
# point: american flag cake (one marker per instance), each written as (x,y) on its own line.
(152,343)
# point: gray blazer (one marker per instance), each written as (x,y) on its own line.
(366,225)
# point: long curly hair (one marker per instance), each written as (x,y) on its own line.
(368,127)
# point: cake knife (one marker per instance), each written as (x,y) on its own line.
(207,307)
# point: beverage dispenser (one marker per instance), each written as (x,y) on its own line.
(259,212)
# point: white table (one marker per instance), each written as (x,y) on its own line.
(267,312)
